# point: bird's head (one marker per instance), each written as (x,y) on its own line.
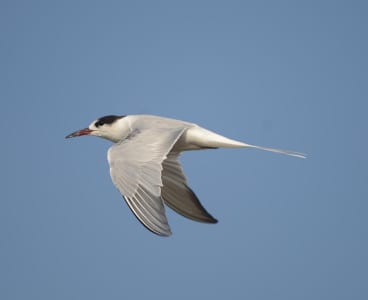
(108,127)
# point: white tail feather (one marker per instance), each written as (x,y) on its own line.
(280,151)
(199,138)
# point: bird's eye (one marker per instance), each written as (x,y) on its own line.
(99,123)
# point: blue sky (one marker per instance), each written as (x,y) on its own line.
(285,74)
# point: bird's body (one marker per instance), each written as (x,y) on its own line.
(144,164)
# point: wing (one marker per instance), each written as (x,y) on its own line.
(135,169)
(177,195)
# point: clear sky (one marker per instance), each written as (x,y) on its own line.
(287,74)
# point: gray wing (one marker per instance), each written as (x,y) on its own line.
(176,193)
(135,169)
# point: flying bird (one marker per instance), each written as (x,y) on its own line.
(144,164)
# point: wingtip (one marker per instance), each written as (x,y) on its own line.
(214,221)
(165,232)
(161,232)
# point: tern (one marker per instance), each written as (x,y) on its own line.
(144,164)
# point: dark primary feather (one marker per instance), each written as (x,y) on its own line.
(177,195)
